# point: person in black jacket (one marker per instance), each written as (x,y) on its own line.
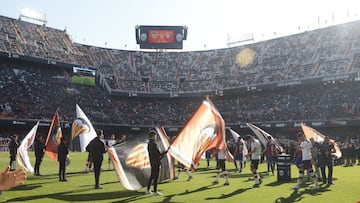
(13,146)
(96,148)
(325,160)
(63,152)
(39,148)
(155,161)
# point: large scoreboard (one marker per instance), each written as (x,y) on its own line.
(160,37)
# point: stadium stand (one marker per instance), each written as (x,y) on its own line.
(309,76)
(32,91)
(314,54)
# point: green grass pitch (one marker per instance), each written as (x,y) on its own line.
(83,80)
(80,186)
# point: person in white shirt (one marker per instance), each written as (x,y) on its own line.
(110,143)
(220,167)
(306,152)
(181,168)
(255,155)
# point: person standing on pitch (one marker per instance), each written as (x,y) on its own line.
(239,155)
(39,148)
(208,157)
(270,152)
(13,146)
(315,155)
(255,154)
(181,168)
(89,164)
(110,143)
(96,148)
(155,161)
(325,160)
(63,152)
(306,153)
(220,166)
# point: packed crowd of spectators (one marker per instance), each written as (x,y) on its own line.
(324,52)
(4,143)
(33,92)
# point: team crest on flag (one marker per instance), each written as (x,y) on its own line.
(203,131)
(83,128)
(139,157)
(53,138)
(79,126)
(132,164)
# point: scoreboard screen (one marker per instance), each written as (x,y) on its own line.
(160,37)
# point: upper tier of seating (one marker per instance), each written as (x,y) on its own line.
(329,51)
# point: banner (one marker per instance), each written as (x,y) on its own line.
(236,136)
(318,137)
(203,131)
(263,137)
(132,164)
(83,128)
(23,157)
(53,138)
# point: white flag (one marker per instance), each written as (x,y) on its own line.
(83,128)
(23,157)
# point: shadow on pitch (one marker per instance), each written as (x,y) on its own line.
(107,183)
(90,196)
(54,176)
(224,196)
(28,186)
(277,183)
(297,196)
(168,198)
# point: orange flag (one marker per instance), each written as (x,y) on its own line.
(318,137)
(53,138)
(203,131)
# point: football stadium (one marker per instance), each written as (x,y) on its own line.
(195,101)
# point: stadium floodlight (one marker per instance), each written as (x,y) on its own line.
(231,40)
(33,15)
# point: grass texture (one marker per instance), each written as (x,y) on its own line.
(80,186)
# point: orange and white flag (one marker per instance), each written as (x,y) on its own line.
(83,128)
(53,138)
(132,163)
(319,137)
(203,131)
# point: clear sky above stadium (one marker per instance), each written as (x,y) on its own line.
(111,23)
